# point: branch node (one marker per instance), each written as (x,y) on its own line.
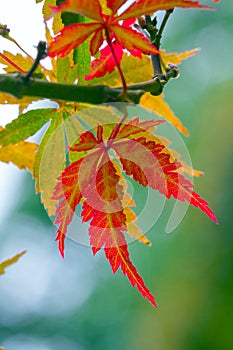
(41,53)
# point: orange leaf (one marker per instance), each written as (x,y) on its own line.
(71,37)
(134,39)
(142,7)
(83,7)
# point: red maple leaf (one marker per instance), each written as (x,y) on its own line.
(95,183)
(106,26)
(106,62)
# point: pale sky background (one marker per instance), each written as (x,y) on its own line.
(24,19)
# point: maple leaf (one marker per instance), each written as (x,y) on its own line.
(106,62)
(104,25)
(142,7)
(102,206)
(158,171)
(95,182)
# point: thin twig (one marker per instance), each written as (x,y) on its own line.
(156,41)
(41,53)
(161,29)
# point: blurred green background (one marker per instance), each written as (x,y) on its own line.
(78,304)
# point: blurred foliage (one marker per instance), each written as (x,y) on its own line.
(190,271)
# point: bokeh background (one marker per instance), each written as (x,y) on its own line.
(78,304)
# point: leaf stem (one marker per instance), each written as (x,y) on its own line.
(124,85)
(8,60)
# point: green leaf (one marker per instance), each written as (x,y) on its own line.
(83,59)
(49,161)
(25,125)
(66,70)
(9,262)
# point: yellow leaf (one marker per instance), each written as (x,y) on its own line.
(6,99)
(9,262)
(158,104)
(23,62)
(135,71)
(133,229)
(21,154)
(177,58)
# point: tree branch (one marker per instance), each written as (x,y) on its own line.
(15,84)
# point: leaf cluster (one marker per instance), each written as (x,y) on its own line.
(98,55)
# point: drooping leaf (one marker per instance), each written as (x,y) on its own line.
(9,262)
(95,182)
